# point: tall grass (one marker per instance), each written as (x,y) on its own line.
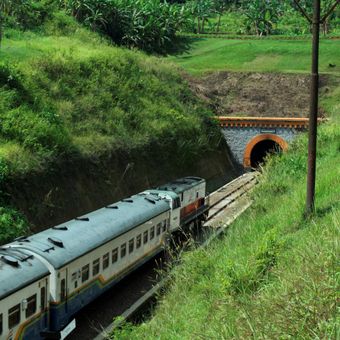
(274,275)
(87,99)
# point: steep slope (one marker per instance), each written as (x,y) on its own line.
(275,273)
(84,123)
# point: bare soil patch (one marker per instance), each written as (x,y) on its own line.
(255,94)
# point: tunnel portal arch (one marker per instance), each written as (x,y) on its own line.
(268,141)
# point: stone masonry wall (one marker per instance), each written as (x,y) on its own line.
(238,137)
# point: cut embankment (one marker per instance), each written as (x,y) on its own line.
(84,123)
(256,94)
(275,273)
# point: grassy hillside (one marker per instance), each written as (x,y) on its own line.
(65,94)
(214,54)
(78,96)
(89,93)
(274,275)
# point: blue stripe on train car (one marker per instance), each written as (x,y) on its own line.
(35,327)
(63,313)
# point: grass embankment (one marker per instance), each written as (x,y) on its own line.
(274,275)
(66,94)
(214,54)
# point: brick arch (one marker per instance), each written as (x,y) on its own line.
(259,138)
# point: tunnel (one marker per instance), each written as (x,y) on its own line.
(261,150)
(260,146)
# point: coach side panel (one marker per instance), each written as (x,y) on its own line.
(83,280)
(24,314)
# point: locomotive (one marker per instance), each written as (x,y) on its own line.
(46,278)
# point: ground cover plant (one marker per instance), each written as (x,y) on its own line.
(213,54)
(150,25)
(66,94)
(275,274)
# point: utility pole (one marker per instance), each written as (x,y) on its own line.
(313,114)
(316,21)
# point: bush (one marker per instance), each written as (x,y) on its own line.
(12,225)
(27,14)
(149,25)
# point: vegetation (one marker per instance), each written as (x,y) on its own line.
(87,98)
(257,17)
(66,94)
(12,224)
(149,25)
(214,54)
(153,25)
(274,274)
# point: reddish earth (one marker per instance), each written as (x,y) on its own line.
(255,94)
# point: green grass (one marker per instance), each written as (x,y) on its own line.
(21,46)
(67,94)
(77,96)
(213,54)
(275,274)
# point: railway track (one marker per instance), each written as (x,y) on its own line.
(226,204)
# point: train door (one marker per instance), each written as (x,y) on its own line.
(44,303)
(63,289)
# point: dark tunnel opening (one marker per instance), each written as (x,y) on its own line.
(261,150)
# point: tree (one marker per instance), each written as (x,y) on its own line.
(201,11)
(262,15)
(307,6)
(220,7)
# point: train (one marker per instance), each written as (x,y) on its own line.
(48,277)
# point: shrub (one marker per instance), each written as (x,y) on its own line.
(12,225)
(149,25)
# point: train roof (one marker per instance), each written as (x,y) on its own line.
(18,269)
(168,194)
(182,184)
(66,242)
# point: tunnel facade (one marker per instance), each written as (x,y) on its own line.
(251,139)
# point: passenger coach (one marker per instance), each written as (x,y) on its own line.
(48,277)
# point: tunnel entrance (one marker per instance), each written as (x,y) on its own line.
(261,150)
(261,145)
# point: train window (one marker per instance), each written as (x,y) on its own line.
(96,267)
(43,298)
(75,284)
(197,194)
(63,290)
(0,324)
(164,226)
(13,316)
(114,255)
(106,260)
(182,196)
(145,237)
(152,233)
(131,245)
(85,273)
(159,225)
(177,203)
(139,241)
(31,305)
(123,250)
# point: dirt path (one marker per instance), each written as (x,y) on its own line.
(255,94)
